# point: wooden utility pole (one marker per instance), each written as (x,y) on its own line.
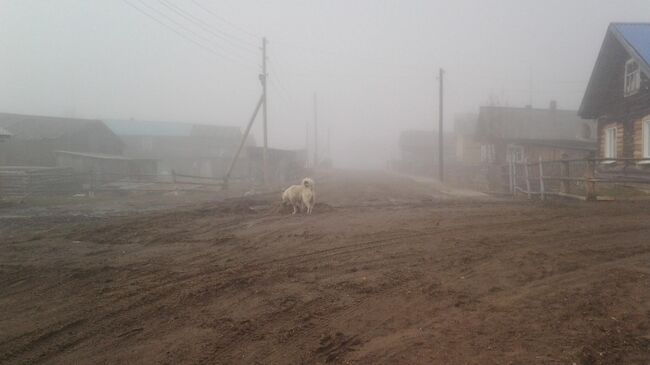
(307,142)
(441,167)
(263,79)
(329,152)
(315,131)
(226,179)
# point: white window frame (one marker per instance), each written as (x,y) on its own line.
(516,153)
(645,130)
(632,79)
(611,145)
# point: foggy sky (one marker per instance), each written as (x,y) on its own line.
(373,63)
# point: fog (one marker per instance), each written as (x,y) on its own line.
(373,64)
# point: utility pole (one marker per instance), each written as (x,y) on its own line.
(530,86)
(441,167)
(329,152)
(307,143)
(315,131)
(263,78)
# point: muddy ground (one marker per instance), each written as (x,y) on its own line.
(386,271)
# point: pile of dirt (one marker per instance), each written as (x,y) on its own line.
(230,206)
(319,208)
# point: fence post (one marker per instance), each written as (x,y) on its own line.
(541,179)
(527,177)
(590,184)
(174,181)
(564,173)
(91,193)
(509,177)
(514,179)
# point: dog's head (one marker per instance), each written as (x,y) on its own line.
(308,183)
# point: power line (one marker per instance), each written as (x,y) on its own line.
(275,74)
(235,26)
(217,51)
(244,45)
(172,29)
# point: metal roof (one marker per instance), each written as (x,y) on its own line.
(533,124)
(102,156)
(172,129)
(37,127)
(636,38)
(148,128)
(622,40)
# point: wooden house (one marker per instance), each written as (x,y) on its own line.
(34,139)
(527,134)
(618,93)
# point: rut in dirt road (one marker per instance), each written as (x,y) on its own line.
(411,277)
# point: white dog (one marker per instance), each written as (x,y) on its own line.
(300,196)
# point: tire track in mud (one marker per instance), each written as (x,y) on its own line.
(360,246)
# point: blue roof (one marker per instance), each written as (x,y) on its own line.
(148,128)
(637,35)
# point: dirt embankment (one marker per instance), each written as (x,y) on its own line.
(387,270)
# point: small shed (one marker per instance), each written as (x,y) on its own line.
(102,166)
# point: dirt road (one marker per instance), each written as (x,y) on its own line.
(387,271)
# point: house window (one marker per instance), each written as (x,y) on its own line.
(646,137)
(610,142)
(487,153)
(516,154)
(632,78)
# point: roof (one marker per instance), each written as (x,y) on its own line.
(36,127)
(533,124)
(102,156)
(177,129)
(558,143)
(148,128)
(627,40)
(637,37)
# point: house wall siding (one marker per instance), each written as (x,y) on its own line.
(626,112)
(620,137)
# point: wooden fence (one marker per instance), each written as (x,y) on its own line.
(585,179)
(28,181)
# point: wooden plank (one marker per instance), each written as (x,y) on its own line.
(527,176)
(541,179)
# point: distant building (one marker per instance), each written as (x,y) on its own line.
(618,94)
(4,134)
(283,165)
(105,167)
(34,139)
(526,134)
(467,147)
(191,149)
(419,152)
